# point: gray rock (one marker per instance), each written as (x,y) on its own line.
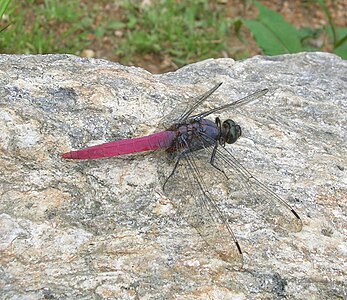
(104,229)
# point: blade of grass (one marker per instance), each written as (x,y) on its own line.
(3,6)
(2,29)
(330,20)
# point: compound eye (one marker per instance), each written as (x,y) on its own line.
(231,130)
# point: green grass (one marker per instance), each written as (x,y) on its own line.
(3,7)
(33,27)
(184,30)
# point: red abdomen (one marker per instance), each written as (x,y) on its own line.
(154,141)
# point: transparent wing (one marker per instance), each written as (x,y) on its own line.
(270,206)
(186,111)
(186,114)
(252,97)
(182,111)
(197,205)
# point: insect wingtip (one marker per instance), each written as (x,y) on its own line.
(217,85)
(296,214)
(238,247)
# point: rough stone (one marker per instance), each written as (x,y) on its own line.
(104,229)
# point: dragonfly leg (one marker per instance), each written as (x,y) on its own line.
(214,151)
(213,155)
(175,167)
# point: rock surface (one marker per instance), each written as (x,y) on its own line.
(103,228)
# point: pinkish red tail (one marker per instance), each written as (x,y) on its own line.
(154,141)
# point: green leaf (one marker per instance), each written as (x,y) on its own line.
(100,31)
(341,51)
(306,33)
(341,41)
(237,28)
(341,35)
(265,38)
(115,25)
(132,21)
(341,45)
(3,6)
(273,34)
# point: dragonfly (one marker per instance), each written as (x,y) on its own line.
(200,160)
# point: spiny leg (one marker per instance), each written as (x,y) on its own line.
(213,155)
(175,167)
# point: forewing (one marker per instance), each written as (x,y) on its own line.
(198,101)
(185,112)
(245,100)
(195,203)
(182,111)
(272,207)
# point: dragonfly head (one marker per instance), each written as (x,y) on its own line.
(230,131)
